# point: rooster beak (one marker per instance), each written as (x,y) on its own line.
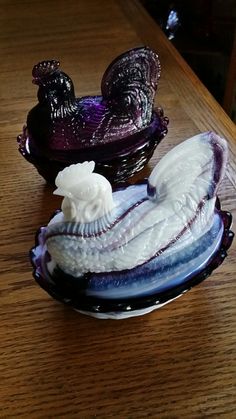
(61,192)
(36,80)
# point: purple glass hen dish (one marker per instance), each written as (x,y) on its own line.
(119,130)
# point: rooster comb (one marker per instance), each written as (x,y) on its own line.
(45,68)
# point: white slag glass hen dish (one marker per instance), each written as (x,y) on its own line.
(127,252)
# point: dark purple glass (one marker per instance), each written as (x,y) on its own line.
(119,130)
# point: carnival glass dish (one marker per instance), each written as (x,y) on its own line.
(119,130)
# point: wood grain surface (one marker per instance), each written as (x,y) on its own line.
(179,361)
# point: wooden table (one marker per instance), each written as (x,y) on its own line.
(176,362)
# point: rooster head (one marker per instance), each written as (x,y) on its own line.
(87,195)
(54,85)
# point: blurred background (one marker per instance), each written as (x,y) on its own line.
(204,32)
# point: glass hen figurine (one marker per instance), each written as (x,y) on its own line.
(124,253)
(119,130)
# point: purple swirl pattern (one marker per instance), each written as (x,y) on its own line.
(162,237)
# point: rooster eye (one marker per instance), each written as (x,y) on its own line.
(53,93)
